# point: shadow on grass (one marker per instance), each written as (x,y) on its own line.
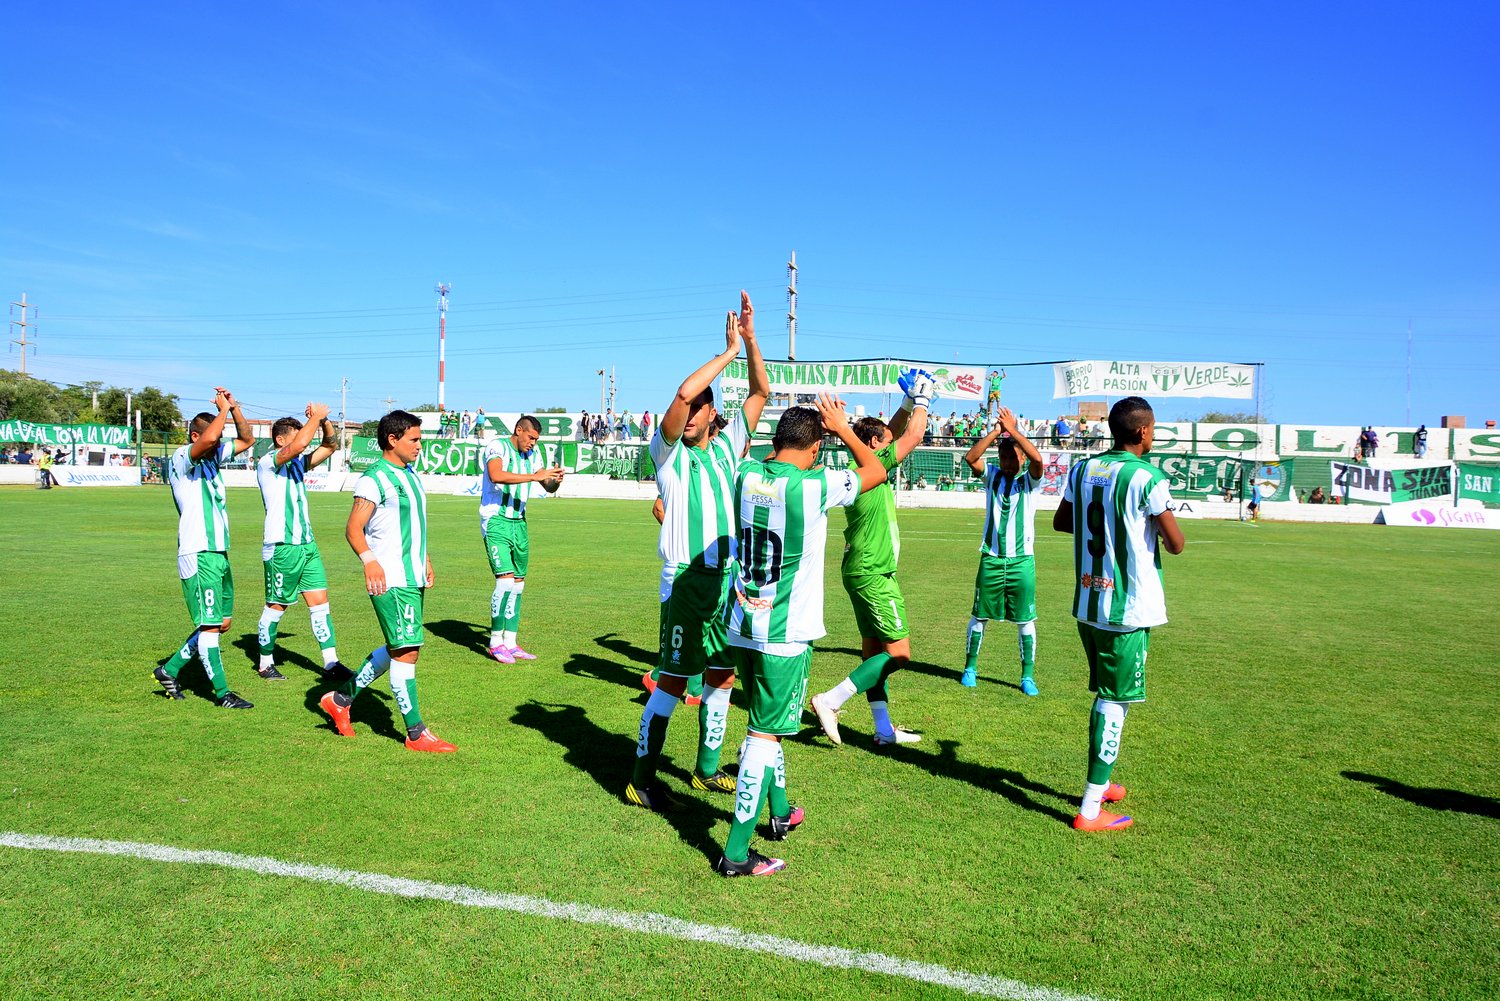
(462,634)
(1005,782)
(624,648)
(585,665)
(1450,800)
(249,645)
(923,667)
(608,758)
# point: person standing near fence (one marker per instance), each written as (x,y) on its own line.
(1005,586)
(293,564)
(511,466)
(872,546)
(203,544)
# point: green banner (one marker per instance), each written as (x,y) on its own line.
(445,457)
(65,434)
(1481,483)
(1208,475)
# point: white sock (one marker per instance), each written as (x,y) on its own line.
(512,635)
(661,703)
(322,630)
(760,754)
(839,694)
(268,617)
(1093,796)
(716,704)
(497,601)
(882,713)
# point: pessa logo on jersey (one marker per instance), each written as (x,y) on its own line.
(764,498)
(1090,582)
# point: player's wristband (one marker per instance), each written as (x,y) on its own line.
(367,557)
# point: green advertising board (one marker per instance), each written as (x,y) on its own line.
(1479,482)
(446,457)
(113,435)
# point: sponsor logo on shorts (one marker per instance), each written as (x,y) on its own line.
(1091,582)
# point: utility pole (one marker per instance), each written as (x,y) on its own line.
(600,374)
(791,307)
(443,288)
(24,326)
(389,399)
(611,387)
(343,411)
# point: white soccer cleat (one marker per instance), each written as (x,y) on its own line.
(898,736)
(828,718)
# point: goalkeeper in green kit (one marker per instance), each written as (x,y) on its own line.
(872,546)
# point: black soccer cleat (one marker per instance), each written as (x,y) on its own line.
(233,701)
(270,673)
(167,682)
(782,826)
(652,797)
(755,864)
(336,673)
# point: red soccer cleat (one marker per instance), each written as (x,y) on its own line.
(339,714)
(1106,821)
(1114,793)
(429,741)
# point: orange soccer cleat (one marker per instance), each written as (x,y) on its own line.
(1114,793)
(1106,821)
(429,741)
(339,714)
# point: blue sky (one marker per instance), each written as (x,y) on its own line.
(264,195)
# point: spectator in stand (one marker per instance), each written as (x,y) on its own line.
(23,455)
(1371,441)
(465,424)
(622,427)
(1062,431)
(585,425)
(45,462)
(921,483)
(1317,496)
(1419,442)
(645,425)
(4,456)
(950,426)
(479,424)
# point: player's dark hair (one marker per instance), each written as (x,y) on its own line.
(286,425)
(535,424)
(395,425)
(200,422)
(1005,445)
(870,429)
(1128,418)
(720,422)
(707,396)
(799,427)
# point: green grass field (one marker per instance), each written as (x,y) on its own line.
(1312,779)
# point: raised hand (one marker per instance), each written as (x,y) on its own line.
(316,412)
(222,399)
(831,408)
(747,317)
(1007,420)
(731,333)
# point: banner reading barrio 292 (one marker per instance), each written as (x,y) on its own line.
(1153,378)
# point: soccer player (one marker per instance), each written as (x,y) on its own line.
(1005,587)
(203,543)
(872,544)
(387,529)
(511,466)
(292,562)
(1115,507)
(695,472)
(993,403)
(777,610)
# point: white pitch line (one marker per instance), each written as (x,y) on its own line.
(650,924)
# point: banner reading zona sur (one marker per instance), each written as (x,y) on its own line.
(957,382)
(1153,378)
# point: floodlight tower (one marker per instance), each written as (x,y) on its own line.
(443,288)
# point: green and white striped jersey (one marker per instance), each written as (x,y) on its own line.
(198,492)
(697,495)
(1009,512)
(505,500)
(285,497)
(783,532)
(397,531)
(1116,497)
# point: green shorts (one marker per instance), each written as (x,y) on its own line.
(693,636)
(292,570)
(879,609)
(1117,662)
(777,687)
(400,613)
(208,586)
(1005,588)
(508,547)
